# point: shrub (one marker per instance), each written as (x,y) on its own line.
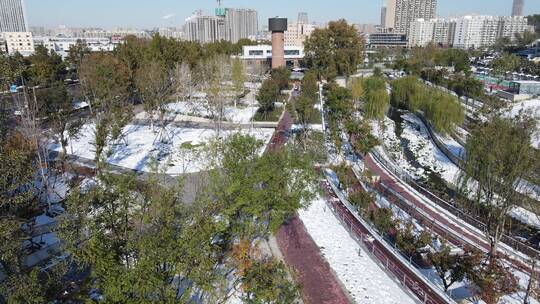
(361,199)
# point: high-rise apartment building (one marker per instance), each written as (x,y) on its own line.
(401,13)
(383,16)
(517,7)
(466,32)
(19,42)
(297,32)
(229,24)
(421,32)
(303,18)
(204,28)
(240,23)
(482,31)
(438,31)
(444,32)
(12,16)
(510,26)
(389,14)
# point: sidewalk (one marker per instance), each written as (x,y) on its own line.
(319,284)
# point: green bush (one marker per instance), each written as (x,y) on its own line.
(361,199)
(382,219)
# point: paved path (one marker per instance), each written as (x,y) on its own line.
(319,284)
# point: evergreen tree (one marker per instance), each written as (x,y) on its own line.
(268,96)
(282,77)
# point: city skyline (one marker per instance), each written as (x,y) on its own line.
(164,13)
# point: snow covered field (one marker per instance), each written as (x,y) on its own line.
(237,115)
(363,278)
(181,155)
(427,154)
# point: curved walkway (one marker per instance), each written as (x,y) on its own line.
(443,224)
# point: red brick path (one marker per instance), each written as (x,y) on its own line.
(319,284)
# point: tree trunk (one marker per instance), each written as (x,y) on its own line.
(532,280)
(493,243)
(63,143)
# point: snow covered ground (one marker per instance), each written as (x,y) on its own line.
(313,127)
(427,154)
(526,217)
(385,131)
(233,114)
(425,150)
(453,146)
(363,278)
(530,107)
(181,155)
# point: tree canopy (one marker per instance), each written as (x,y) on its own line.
(335,50)
(443,110)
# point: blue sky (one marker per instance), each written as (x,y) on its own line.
(150,13)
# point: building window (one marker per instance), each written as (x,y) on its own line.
(292,52)
(256,53)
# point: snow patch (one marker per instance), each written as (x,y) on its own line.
(385,131)
(180,155)
(425,150)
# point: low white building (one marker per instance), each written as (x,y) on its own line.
(21,42)
(264,52)
(61,45)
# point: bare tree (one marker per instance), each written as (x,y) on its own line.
(212,74)
(154,84)
(183,81)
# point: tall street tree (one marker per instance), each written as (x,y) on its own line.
(498,155)
(335,50)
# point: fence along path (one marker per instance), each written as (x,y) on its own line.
(392,260)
